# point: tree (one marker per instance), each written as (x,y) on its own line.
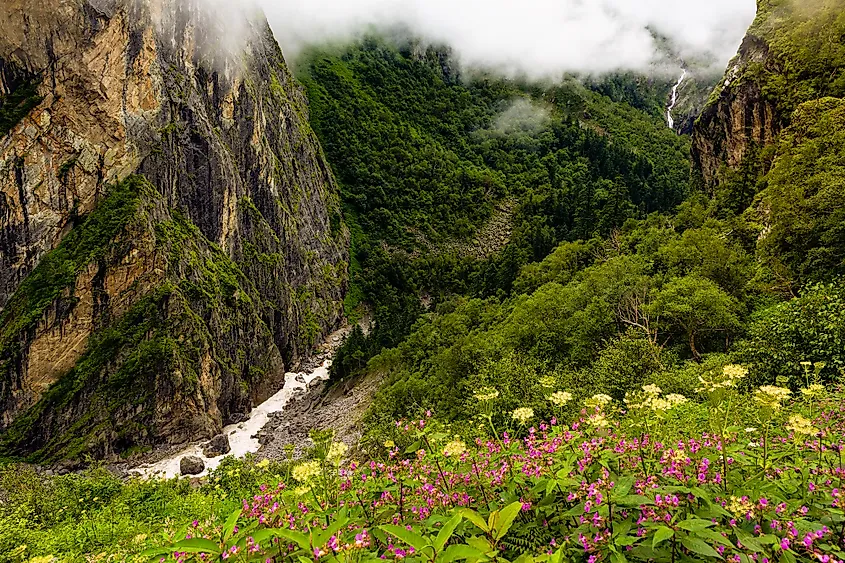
(697,306)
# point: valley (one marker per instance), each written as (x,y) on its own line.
(369,302)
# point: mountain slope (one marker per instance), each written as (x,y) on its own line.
(140,311)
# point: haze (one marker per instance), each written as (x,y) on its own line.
(540,38)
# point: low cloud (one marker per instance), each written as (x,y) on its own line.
(538,38)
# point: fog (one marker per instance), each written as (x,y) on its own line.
(539,38)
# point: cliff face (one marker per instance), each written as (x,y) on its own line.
(769,145)
(170,234)
(793,53)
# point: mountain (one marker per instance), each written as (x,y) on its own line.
(170,232)
(769,142)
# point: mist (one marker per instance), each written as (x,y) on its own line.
(537,38)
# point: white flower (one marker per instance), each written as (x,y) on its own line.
(523,414)
(560,398)
(454,448)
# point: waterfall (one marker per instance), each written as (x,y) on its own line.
(675,99)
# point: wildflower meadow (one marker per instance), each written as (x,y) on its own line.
(733,475)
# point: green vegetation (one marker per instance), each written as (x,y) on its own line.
(423,155)
(17,104)
(659,477)
(90,242)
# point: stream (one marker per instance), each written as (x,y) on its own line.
(243,435)
(669,117)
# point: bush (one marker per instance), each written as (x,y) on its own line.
(810,328)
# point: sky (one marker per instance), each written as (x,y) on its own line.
(538,38)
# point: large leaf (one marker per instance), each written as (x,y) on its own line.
(300,539)
(662,534)
(505,519)
(320,537)
(229,526)
(411,538)
(476,519)
(460,552)
(695,524)
(748,541)
(446,532)
(700,547)
(197,545)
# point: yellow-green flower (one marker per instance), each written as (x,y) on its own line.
(305,471)
(523,414)
(337,451)
(675,400)
(486,394)
(548,382)
(813,390)
(263,464)
(740,507)
(600,400)
(560,398)
(771,396)
(652,389)
(455,448)
(801,426)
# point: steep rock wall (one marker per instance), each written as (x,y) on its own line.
(235,252)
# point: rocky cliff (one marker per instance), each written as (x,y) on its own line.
(793,53)
(769,145)
(170,233)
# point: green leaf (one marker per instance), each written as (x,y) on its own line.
(446,532)
(411,538)
(231,522)
(476,519)
(413,448)
(700,547)
(506,518)
(300,539)
(320,537)
(694,524)
(623,487)
(617,557)
(197,545)
(748,541)
(459,552)
(662,534)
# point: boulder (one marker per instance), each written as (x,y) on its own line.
(235,418)
(191,465)
(217,446)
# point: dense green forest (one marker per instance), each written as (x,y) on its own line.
(424,154)
(617,273)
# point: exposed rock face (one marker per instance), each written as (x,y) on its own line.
(737,118)
(135,312)
(793,53)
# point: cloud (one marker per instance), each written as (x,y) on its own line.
(541,38)
(522,116)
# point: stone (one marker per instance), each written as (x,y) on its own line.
(217,446)
(191,465)
(236,418)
